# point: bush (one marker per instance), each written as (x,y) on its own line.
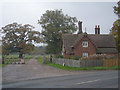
(59,56)
(98,57)
(76,57)
(112,57)
(73,57)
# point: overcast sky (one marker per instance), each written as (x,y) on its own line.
(90,13)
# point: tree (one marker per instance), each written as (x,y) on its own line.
(116,33)
(19,38)
(38,50)
(54,23)
(116,26)
(0,50)
(117,9)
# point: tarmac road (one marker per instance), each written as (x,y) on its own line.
(101,79)
(33,70)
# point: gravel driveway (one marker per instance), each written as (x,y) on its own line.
(32,70)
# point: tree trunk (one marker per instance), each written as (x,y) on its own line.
(20,55)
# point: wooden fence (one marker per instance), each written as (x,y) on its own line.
(111,62)
(84,63)
(79,63)
(12,61)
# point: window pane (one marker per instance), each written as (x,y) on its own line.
(85,54)
(85,44)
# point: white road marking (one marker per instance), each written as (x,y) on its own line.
(89,81)
(95,80)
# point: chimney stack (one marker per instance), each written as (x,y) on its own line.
(97,29)
(80,27)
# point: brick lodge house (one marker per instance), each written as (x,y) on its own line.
(84,45)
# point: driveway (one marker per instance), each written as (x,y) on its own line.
(32,70)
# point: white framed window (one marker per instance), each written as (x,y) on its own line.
(85,44)
(85,54)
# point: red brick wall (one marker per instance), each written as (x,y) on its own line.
(78,49)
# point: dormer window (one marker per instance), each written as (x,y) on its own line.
(85,44)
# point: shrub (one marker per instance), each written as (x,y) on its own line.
(112,57)
(98,57)
(76,57)
(73,57)
(68,57)
(59,56)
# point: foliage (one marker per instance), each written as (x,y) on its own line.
(19,38)
(96,57)
(67,57)
(76,57)
(73,57)
(5,49)
(38,50)
(117,9)
(59,56)
(112,57)
(116,26)
(0,48)
(54,23)
(116,33)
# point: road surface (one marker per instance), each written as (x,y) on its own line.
(98,79)
(33,70)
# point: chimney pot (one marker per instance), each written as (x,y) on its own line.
(98,26)
(95,26)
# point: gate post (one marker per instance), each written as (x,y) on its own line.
(51,58)
(44,60)
(3,59)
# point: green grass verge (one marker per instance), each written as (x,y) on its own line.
(84,68)
(40,60)
(3,65)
